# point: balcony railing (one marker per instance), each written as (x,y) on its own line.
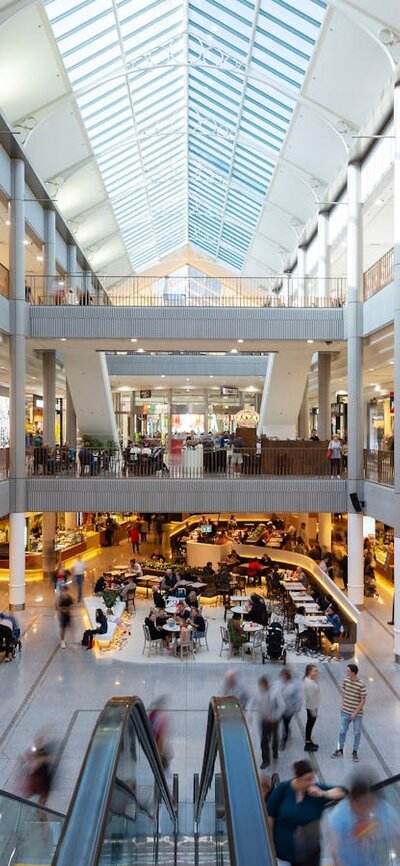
(285,291)
(198,462)
(379,274)
(4,463)
(379,467)
(4,281)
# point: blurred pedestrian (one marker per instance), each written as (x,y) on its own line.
(311,700)
(292,695)
(363,830)
(233,686)
(36,767)
(270,707)
(294,810)
(78,571)
(134,538)
(65,602)
(160,725)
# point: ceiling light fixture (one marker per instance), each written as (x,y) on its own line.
(310,341)
(234,351)
(63,339)
(240,341)
(133,340)
(141,351)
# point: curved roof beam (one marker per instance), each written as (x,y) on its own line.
(13,8)
(389,42)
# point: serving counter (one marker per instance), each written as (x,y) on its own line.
(198,554)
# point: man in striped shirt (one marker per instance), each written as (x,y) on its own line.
(354,695)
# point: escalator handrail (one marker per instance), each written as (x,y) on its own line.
(249,837)
(83,832)
(23,801)
(391,780)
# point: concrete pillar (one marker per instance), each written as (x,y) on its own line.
(170,404)
(301,276)
(70,520)
(133,413)
(49,538)
(324,395)
(17,387)
(70,420)
(303,421)
(49,252)
(325,530)
(74,283)
(397,369)
(323,256)
(355,417)
(205,410)
(49,396)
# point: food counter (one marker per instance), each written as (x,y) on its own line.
(198,554)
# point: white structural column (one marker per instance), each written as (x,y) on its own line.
(49,252)
(49,401)
(325,530)
(70,419)
(73,283)
(324,395)
(355,382)
(18,314)
(301,276)
(303,422)
(397,369)
(323,255)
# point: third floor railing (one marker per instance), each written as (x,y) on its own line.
(275,292)
(379,274)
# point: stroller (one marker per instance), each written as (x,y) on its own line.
(274,644)
(14,642)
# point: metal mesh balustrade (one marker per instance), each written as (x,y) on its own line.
(141,291)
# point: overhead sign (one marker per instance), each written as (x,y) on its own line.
(145,395)
(229,392)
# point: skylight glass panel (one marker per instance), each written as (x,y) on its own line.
(186,117)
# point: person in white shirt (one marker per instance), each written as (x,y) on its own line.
(78,570)
(302,624)
(311,702)
(136,568)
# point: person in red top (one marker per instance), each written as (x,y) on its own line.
(254,570)
(134,537)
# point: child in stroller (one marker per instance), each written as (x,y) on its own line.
(9,636)
(275,643)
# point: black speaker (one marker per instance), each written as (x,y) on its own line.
(357,505)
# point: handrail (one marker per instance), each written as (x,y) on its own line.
(24,802)
(379,466)
(392,780)
(228,735)
(380,274)
(82,835)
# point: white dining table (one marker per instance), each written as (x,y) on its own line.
(239,608)
(251,627)
(239,598)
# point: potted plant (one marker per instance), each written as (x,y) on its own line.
(109,597)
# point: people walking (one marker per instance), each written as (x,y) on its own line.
(311,702)
(134,538)
(270,707)
(291,692)
(65,602)
(354,695)
(78,570)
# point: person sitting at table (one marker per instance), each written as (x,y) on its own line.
(198,623)
(100,585)
(128,586)
(136,568)
(184,635)
(208,570)
(157,556)
(154,632)
(276,582)
(257,612)
(254,571)
(169,581)
(161,621)
(266,561)
(236,636)
(301,621)
(222,537)
(158,599)
(334,625)
(232,558)
(191,598)
(182,611)
(300,576)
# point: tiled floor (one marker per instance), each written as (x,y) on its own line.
(65,689)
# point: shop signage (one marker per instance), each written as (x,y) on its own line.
(145,395)
(246,418)
(391,402)
(229,392)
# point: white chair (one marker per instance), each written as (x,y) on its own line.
(186,648)
(149,644)
(225,641)
(254,644)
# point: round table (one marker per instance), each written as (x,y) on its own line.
(239,608)
(251,627)
(239,598)
(172,627)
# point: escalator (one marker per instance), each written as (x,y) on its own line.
(123,812)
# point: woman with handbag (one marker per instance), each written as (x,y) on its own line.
(334,454)
(294,809)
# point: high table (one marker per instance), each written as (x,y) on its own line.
(148,580)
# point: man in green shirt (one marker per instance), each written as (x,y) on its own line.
(354,695)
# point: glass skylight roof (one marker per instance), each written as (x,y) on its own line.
(187,104)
